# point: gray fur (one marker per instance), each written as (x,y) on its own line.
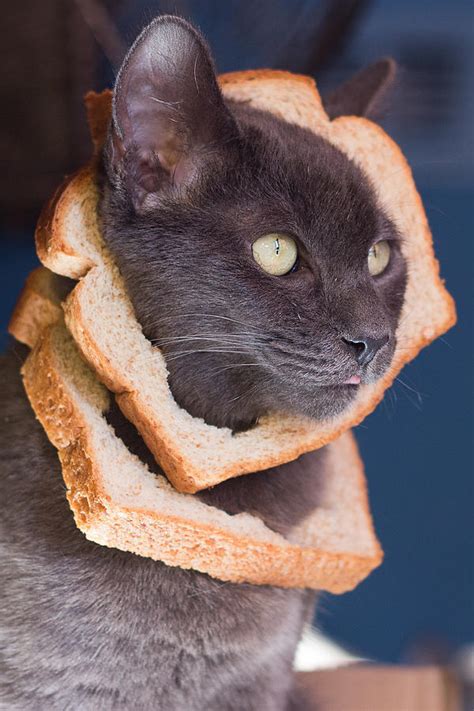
(89,628)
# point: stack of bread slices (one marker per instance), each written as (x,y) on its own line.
(87,347)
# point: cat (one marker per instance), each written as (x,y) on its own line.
(189,184)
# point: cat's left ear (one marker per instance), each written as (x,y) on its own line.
(169,117)
(364,93)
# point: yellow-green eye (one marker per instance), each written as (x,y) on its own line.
(276,253)
(378,257)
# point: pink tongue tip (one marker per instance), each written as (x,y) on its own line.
(353,380)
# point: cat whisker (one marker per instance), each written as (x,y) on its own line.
(245,394)
(420,164)
(446,342)
(419,399)
(211,334)
(293,352)
(201,315)
(170,104)
(193,351)
(237,397)
(389,403)
(208,147)
(218,337)
(222,343)
(178,354)
(234,365)
(197,342)
(195,73)
(299,359)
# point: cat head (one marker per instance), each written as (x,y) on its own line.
(255,252)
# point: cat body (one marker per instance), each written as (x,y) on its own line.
(87,627)
(189,182)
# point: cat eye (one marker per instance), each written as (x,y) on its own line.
(378,257)
(275,253)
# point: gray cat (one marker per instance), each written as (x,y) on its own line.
(189,183)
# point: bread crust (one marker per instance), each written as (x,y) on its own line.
(38,305)
(99,110)
(207,547)
(201,546)
(364,142)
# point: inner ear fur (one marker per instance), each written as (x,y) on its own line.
(167,108)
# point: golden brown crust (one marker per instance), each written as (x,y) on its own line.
(185,476)
(451,317)
(97,360)
(66,428)
(263,74)
(38,306)
(99,105)
(182,473)
(99,108)
(98,113)
(202,546)
(52,247)
(230,558)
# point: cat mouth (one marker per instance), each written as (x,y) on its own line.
(353,380)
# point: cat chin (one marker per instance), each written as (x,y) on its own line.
(326,402)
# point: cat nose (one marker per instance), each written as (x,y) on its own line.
(366,348)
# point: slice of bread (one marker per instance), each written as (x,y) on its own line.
(99,314)
(38,305)
(125,506)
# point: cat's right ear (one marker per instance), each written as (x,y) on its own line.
(169,117)
(364,93)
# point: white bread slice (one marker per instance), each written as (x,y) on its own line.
(100,317)
(38,305)
(125,506)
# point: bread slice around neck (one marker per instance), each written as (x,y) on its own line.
(117,502)
(99,314)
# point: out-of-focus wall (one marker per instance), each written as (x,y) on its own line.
(48,61)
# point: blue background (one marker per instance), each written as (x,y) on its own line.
(417,446)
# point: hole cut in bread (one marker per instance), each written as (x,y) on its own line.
(118,502)
(100,317)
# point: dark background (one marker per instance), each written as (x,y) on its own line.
(417,447)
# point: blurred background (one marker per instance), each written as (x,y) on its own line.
(418,446)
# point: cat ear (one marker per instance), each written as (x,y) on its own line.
(169,116)
(364,92)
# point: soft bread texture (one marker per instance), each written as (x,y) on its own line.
(193,454)
(125,506)
(38,305)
